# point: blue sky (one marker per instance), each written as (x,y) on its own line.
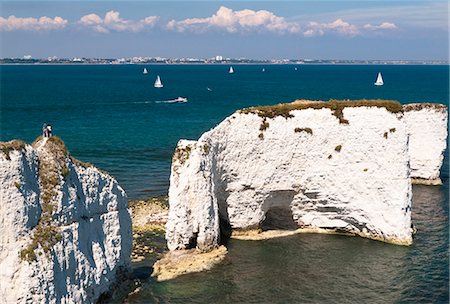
(251,29)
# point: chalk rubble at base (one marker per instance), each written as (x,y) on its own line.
(90,215)
(308,170)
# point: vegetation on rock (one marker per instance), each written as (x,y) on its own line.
(424,105)
(181,154)
(206,149)
(52,165)
(307,130)
(264,125)
(149,217)
(336,106)
(7,147)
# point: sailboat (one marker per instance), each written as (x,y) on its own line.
(231,71)
(158,83)
(263,69)
(145,71)
(379,81)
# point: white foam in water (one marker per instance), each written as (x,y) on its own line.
(167,101)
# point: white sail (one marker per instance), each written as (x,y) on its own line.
(379,81)
(158,83)
(231,71)
(263,69)
(145,71)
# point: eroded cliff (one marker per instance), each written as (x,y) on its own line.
(339,166)
(427,127)
(65,230)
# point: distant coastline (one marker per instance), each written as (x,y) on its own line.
(193,61)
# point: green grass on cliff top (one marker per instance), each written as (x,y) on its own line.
(336,106)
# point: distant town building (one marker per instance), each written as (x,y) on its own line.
(219,58)
(27,57)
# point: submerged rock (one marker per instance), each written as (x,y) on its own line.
(65,228)
(180,262)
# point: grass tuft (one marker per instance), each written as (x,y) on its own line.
(206,149)
(65,171)
(425,105)
(13,145)
(307,130)
(181,154)
(264,125)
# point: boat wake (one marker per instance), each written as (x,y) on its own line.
(176,100)
(165,101)
(140,102)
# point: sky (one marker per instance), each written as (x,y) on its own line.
(372,30)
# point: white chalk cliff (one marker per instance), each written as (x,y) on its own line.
(339,166)
(427,127)
(65,229)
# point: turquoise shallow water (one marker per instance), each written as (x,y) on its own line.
(108,115)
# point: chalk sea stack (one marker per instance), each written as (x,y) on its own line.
(427,125)
(336,166)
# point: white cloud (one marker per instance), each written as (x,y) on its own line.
(338,26)
(236,21)
(381,26)
(113,22)
(91,19)
(249,20)
(13,23)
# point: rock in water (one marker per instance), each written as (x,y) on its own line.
(427,125)
(65,226)
(340,166)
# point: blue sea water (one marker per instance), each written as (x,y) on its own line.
(109,115)
(317,268)
(112,117)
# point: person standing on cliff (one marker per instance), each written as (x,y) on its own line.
(44,130)
(49,130)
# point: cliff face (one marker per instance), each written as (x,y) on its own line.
(65,229)
(427,127)
(337,167)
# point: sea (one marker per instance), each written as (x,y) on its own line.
(113,117)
